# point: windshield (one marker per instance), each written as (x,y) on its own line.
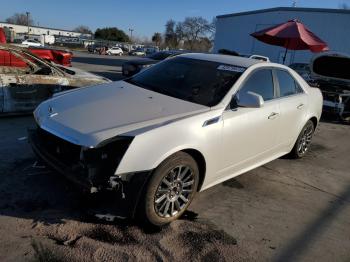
(197,81)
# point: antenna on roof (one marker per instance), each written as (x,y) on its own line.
(294,4)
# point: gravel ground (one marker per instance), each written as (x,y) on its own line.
(287,210)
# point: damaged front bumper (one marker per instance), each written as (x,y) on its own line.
(89,168)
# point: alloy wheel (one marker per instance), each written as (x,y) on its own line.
(305,140)
(174,191)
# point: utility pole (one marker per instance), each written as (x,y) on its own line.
(131,30)
(27,13)
(294,3)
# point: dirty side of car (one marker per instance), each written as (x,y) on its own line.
(26,80)
(179,127)
(330,71)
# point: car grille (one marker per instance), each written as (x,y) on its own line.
(61,149)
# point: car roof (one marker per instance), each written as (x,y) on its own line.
(226,59)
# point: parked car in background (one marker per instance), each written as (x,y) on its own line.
(26,80)
(58,56)
(95,48)
(257,57)
(302,69)
(114,51)
(179,127)
(260,57)
(138,52)
(132,67)
(330,71)
(31,42)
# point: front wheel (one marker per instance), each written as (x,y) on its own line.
(303,142)
(170,189)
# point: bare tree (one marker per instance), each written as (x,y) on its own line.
(170,35)
(212,29)
(194,29)
(20,19)
(83,29)
(157,38)
(344,6)
(194,33)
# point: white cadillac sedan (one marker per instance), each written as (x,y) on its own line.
(177,128)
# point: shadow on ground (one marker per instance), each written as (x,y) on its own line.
(299,245)
(64,230)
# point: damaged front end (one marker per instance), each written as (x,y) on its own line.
(331,73)
(93,169)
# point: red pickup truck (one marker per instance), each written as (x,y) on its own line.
(58,56)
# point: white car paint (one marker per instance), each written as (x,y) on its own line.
(238,141)
(114,51)
(30,42)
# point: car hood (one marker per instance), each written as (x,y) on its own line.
(91,115)
(331,67)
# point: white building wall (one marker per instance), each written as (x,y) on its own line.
(34,30)
(233,32)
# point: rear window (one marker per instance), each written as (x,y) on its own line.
(197,81)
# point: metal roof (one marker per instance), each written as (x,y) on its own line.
(288,9)
(43,27)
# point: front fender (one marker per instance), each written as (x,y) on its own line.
(151,148)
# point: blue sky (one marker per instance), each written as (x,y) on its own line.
(145,17)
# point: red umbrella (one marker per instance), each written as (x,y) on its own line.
(291,35)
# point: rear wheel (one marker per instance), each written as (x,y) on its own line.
(303,142)
(170,189)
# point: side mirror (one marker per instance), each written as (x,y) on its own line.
(249,99)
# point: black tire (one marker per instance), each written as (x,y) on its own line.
(149,209)
(302,145)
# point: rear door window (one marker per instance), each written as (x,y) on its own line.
(287,84)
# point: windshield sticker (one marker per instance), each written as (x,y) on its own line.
(231,68)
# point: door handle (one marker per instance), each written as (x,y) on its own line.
(273,115)
(300,106)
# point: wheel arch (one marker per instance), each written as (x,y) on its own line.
(200,160)
(314,121)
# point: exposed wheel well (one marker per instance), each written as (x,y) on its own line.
(314,121)
(199,158)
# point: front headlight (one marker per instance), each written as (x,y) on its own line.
(109,153)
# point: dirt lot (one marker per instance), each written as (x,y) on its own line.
(287,210)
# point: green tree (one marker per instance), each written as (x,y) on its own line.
(111,33)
